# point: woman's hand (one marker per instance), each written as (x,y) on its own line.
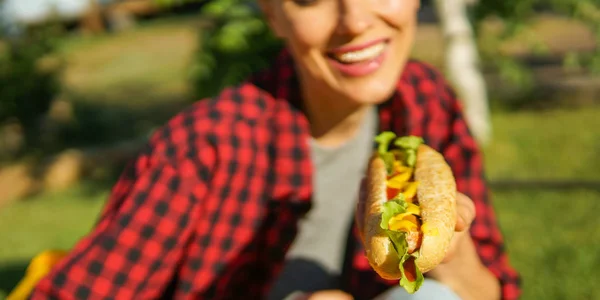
(465,211)
(465,214)
(461,269)
(461,246)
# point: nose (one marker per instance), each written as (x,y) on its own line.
(355,17)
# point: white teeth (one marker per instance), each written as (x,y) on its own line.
(361,55)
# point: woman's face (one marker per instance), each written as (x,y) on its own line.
(351,49)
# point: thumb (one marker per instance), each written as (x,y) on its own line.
(465,212)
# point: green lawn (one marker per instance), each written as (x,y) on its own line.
(553,241)
(552,236)
(556,144)
(43,222)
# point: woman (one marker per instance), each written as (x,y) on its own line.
(251,194)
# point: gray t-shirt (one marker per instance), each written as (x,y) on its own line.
(314,260)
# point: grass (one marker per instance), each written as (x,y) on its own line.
(52,221)
(552,240)
(556,144)
(122,60)
(139,77)
(551,235)
(55,220)
(121,86)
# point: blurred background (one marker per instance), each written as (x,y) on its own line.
(84,82)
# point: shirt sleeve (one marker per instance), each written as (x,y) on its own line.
(462,153)
(141,236)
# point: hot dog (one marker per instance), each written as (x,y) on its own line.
(410,210)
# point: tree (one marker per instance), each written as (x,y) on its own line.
(29,82)
(462,64)
(236,43)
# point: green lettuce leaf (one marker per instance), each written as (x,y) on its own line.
(384,140)
(410,142)
(410,286)
(388,160)
(398,239)
(391,208)
(411,157)
(409,145)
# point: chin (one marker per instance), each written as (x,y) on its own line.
(373,91)
(370,96)
(375,88)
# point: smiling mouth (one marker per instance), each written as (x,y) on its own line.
(360,55)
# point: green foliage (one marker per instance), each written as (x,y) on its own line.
(236,43)
(518,12)
(517,15)
(28,76)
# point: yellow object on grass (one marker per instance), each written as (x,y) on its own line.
(39,267)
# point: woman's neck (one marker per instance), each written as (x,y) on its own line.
(333,121)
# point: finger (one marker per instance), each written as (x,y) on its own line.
(453,247)
(460,223)
(465,210)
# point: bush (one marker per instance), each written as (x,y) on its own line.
(236,43)
(29,77)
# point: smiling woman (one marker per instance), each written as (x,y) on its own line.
(348,53)
(251,193)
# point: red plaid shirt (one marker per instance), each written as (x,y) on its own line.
(210,206)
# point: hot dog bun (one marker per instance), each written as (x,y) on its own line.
(379,249)
(436,196)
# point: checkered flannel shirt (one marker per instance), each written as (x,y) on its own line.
(211,204)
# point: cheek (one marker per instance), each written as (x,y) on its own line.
(399,13)
(308,30)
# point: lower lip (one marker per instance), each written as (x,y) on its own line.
(362,68)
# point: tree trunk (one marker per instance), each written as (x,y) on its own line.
(462,64)
(92,21)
